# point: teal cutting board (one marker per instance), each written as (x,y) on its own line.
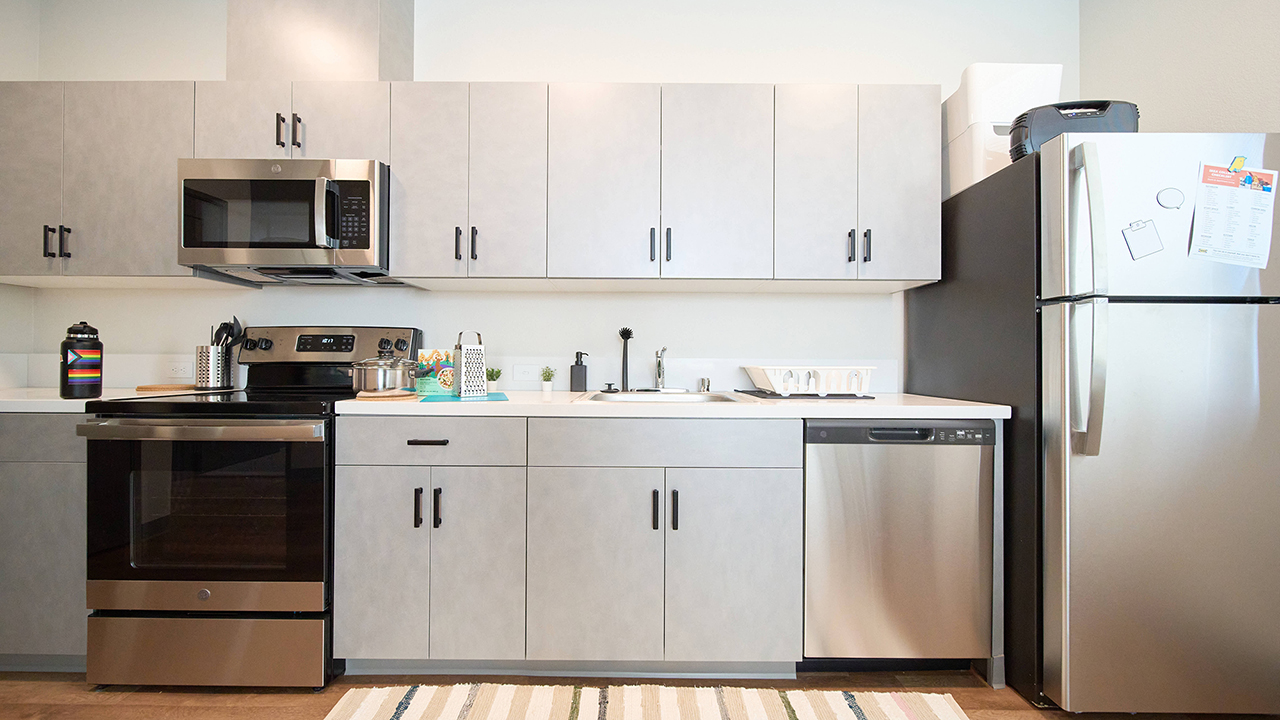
(450,398)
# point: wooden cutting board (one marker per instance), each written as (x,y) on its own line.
(164,388)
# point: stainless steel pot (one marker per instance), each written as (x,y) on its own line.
(385,372)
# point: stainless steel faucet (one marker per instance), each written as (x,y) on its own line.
(660,378)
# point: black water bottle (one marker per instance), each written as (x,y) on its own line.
(81,362)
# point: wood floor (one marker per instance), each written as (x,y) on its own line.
(66,695)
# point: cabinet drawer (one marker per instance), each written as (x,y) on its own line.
(430,441)
(41,437)
(631,442)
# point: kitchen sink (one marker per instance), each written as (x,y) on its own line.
(658,397)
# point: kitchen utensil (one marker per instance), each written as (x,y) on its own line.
(468,368)
(810,379)
(237,331)
(213,367)
(626,334)
(384,372)
(81,363)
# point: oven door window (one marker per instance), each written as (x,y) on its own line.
(250,213)
(206,510)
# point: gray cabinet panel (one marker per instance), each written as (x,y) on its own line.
(734,565)
(477,563)
(238,119)
(429,228)
(508,179)
(595,564)
(815,215)
(120,175)
(41,437)
(636,442)
(30,175)
(381,562)
(344,120)
(717,180)
(900,181)
(373,440)
(42,558)
(604,176)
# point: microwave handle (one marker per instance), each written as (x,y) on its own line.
(326,237)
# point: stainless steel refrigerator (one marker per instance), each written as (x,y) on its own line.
(1142,518)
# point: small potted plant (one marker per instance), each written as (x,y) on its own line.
(547,374)
(491,376)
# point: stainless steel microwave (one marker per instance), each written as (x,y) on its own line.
(290,222)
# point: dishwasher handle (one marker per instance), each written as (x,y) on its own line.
(899,435)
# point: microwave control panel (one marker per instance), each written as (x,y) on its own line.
(353,215)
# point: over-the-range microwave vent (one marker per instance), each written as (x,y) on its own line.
(269,276)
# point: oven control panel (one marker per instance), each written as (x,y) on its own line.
(297,344)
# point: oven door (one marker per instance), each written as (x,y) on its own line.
(199,514)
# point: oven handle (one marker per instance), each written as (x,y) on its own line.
(204,431)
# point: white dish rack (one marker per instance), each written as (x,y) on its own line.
(810,379)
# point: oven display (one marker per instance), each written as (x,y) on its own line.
(326,343)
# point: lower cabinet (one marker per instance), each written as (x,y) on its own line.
(429,562)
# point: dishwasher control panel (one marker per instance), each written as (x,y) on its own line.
(900,432)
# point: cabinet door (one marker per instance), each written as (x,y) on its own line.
(604,178)
(900,182)
(477,563)
(381,562)
(815,212)
(30,176)
(717,181)
(350,120)
(239,119)
(429,231)
(595,564)
(508,185)
(42,559)
(120,175)
(735,565)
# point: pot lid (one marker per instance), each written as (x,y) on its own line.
(386,359)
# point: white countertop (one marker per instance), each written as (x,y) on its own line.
(525,403)
(46,400)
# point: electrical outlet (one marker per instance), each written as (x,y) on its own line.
(527,373)
(181,368)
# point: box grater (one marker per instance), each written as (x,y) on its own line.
(468,367)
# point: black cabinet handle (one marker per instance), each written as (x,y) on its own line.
(474,232)
(850,246)
(63,232)
(457,243)
(417,507)
(866,245)
(49,230)
(668,244)
(657,501)
(675,509)
(435,507)
(428,442)
(280,125)
(297,131)
(653,244)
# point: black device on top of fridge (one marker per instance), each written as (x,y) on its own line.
(1142,552)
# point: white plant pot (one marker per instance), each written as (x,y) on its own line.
(546,386)
(491,386)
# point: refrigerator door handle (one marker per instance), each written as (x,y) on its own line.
(1089,440)
(1085,158)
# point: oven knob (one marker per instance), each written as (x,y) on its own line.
(384,344)
(250,344)
(203,595)
(402,345)
(264,344)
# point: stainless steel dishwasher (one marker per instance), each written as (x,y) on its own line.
(898,538)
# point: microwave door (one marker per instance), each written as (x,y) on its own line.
(326,213)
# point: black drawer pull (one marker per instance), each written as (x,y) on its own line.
(657,500)
(63,232)
(280,126)
(428,442)
(297,131)
(435,507)
(668,244)
(48,231)
(866,247)
(675,509)
(474,232)
(417,507)
(653,244)
(851,246)
(457,243)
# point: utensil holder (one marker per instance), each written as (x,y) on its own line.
(213,367)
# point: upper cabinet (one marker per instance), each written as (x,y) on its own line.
(604,179)
(899,182)
(244,119)
(343,120)
(30,177)
(717,181)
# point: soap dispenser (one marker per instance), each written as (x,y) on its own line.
(578,375)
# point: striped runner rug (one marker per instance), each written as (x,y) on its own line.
(483,701)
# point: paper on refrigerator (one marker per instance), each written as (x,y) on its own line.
(1232,222)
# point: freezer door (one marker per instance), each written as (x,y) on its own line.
(1162,550)
(1137,192)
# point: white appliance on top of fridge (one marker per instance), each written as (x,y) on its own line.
(1143,475)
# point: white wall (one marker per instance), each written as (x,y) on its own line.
(1190,65)
(923,41)
(17,307)
(19,39)
(133,39)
